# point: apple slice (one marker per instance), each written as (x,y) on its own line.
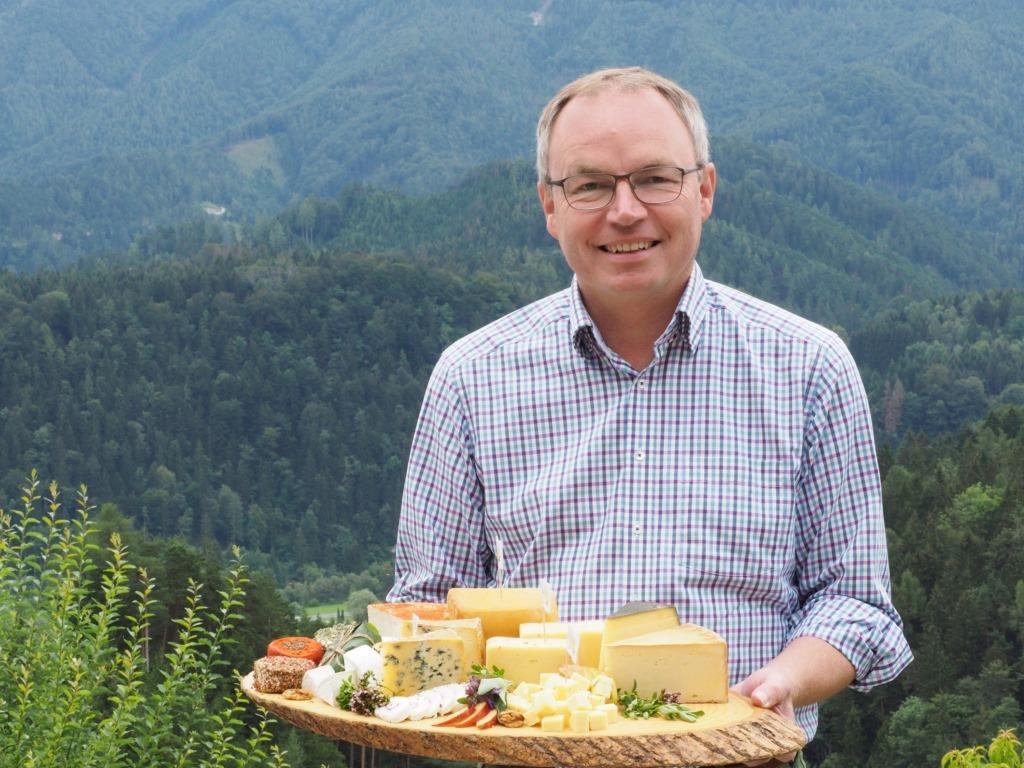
(478,712)
(487,720)
(455,717)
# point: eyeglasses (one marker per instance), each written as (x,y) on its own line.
(654,185)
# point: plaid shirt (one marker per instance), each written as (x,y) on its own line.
(734,478)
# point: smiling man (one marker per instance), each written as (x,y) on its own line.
(648,434)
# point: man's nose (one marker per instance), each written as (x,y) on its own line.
(625,208)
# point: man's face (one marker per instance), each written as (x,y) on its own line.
(627,250)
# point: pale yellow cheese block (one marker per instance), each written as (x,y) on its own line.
(544,629)
(633,620)
(501,610)
(686,659)
(585,642)
(524,659)
(414,664)
(470,630)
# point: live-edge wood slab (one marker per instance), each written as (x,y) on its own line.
(728,733)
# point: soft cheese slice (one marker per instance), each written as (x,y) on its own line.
(524,659)
(633,620)
(501,610)
(685,659)
(585,642)
(470,630)
(544,629)
(388,617)
(414,664)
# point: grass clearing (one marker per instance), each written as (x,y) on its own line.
(254,154)
(325,612)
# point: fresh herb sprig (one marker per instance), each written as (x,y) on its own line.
(486,684)
(664,705)
(362,696)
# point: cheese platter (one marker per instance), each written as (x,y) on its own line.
(494,677)
(732,732)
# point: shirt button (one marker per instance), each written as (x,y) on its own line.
(638,456)
(637,531)
(642,384)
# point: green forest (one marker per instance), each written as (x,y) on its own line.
(234,239)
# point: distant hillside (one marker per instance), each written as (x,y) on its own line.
(250,104)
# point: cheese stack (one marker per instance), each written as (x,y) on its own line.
(633,620)
(500,610)
(685,659)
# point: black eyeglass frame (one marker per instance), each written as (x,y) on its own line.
(632,186)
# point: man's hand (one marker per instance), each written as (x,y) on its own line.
(807,671)
(770,689)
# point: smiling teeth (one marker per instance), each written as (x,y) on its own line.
(639,245)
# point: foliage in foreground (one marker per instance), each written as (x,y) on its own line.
(76,687)
(1005,751)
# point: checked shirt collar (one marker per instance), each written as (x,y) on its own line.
(686,326)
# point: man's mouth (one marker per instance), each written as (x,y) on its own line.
(629,247)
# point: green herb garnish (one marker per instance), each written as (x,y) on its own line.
(637,707)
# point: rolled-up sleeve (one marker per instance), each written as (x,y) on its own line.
(440,540)
(842,565)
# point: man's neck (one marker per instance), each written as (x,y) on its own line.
(630,327)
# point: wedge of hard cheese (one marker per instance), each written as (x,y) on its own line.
(633,620)
(685,659)
(501,610)
(388,617)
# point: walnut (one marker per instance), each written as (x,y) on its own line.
(511,719)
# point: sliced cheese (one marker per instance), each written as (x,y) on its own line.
(685,659)
(414,664)
(501,610)
(389,617)
(524,660)
(633,620)
(585,642)
(470,630)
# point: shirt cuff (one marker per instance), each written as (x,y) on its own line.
(868,637)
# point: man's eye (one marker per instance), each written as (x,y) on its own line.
(585,186)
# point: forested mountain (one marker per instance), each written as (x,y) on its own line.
(154,101)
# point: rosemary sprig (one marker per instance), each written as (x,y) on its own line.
(637,707)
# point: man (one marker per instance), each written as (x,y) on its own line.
(648,434)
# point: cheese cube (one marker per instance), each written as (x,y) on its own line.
(518,703)
(525,660)
(579,701)
(553,723)
(597,720)
(550,679)
(545,703)
(531,717)
(501,610)
(470,630)
(579,721)
(526,690)
(544,629)
(416,663)
(611,710)
(603,685)
(686,659)
(585,642)
(632,620)
(388,617)
(596,700)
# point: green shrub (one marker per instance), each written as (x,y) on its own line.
(1005,751)
(76,684)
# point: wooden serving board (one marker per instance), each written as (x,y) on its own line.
(729,733)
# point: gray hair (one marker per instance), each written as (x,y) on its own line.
(624,79)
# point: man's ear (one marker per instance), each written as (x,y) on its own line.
(708,180)
(547,202)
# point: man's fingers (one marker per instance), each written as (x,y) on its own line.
(767,696)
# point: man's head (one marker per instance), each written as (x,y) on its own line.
(624,79)
(635,186)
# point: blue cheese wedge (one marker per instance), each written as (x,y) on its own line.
(414,664)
